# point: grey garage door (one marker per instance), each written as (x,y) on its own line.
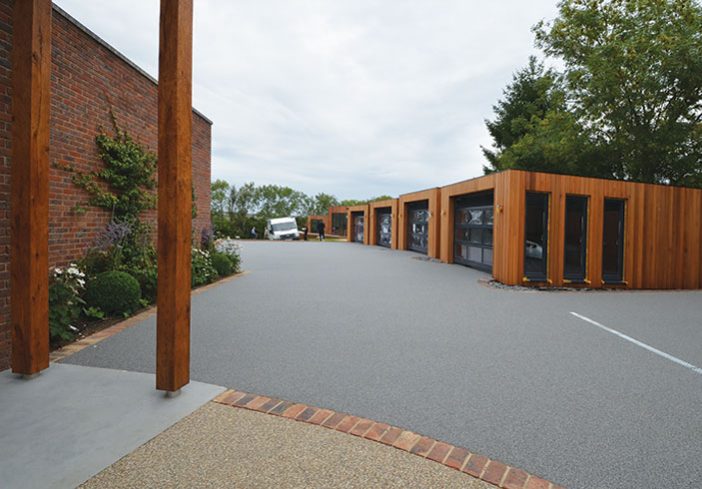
(358,224)
(384,219)
(473,231)
(418,227)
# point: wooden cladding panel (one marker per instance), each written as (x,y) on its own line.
(433,197)
(29,218)
(662,238)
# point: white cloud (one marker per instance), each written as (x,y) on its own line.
(351,97)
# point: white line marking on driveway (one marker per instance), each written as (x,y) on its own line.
(640,343)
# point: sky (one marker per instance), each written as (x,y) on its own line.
(357,98)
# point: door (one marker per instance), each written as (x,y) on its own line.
(418,227)
(613,241)
(473,223)
(536,237)
(575,242)
(384,236)
(358,223)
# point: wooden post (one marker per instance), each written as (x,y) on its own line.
(29,251)
(174,195)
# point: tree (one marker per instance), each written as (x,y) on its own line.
(277,201)
(220,202)
(220,196)
(243,204)
(533,93)
(352,202)
(321,204)
(379,198)
(633,71)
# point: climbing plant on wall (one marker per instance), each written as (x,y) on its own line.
(125,184)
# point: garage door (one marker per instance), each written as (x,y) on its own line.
(384,236)
(473,231)
(358,223)
(418,227)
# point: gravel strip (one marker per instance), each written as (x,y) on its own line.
(218,446)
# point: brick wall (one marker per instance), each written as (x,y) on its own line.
(88,79)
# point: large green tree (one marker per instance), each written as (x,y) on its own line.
(526,101)
(321,203)
(633,72)
(534,130)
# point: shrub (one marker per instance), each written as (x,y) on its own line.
(147,276)
(202,270)
(65,304)
(230,248)
(114,292)
(223,264)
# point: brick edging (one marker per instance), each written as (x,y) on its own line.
(458,458)
(78,345)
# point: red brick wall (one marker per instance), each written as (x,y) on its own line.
(88,80)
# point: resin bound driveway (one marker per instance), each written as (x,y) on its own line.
(510,374)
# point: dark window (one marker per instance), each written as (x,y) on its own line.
(339,223)
(536,236)
(315,225)
(473,230)
(384,219)
(575,252)
(418,227)
(613,241)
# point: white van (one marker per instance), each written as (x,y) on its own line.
(281,228)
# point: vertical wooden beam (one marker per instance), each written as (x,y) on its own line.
(174,195)
(29,251)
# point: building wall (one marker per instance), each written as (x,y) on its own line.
(89,79)
(433,197)
(355,210)
(662,238)
(391,204)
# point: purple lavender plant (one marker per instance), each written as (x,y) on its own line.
(206,238)
(113,235)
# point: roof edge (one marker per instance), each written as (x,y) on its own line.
(114,51)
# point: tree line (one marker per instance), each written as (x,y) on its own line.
(236,210)
(627,103)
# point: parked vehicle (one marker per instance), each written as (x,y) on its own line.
(281,228)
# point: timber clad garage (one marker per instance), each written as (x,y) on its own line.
(418,229)
(545,230)
(383,223)
(357,224)
(554,230)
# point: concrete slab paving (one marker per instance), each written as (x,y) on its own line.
(219,446)
(66,425)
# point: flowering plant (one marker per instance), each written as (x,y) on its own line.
(231,248)
(65,304)
(203,272)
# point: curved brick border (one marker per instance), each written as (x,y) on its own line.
(458,458)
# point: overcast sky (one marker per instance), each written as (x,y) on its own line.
(351,97)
